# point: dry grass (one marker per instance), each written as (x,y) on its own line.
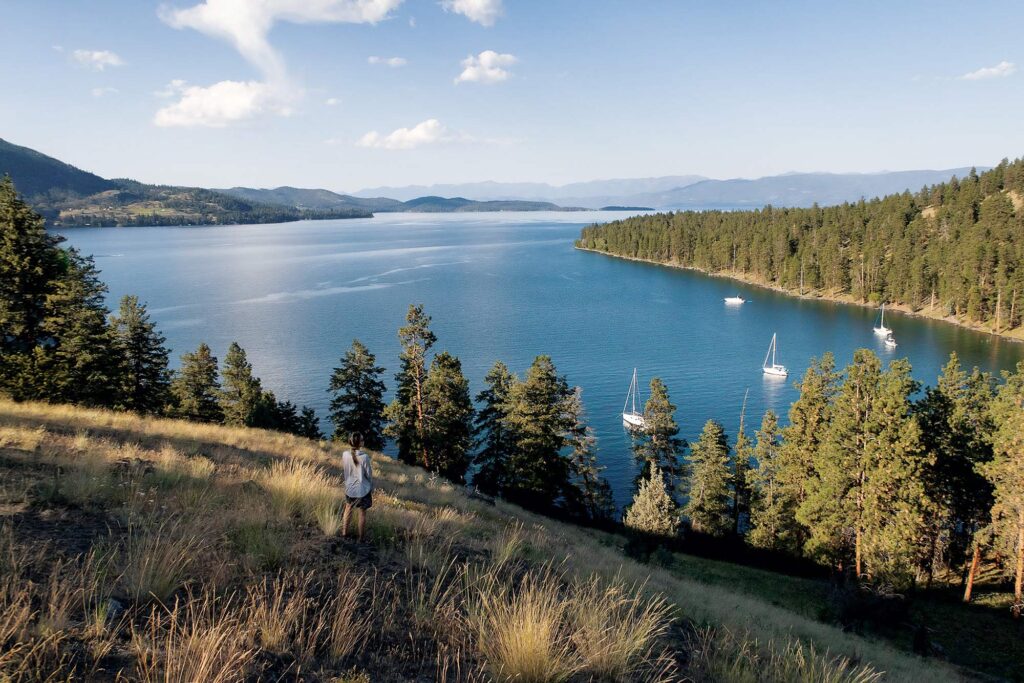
(298,487)
(195,642)
(449,589)
(156,560)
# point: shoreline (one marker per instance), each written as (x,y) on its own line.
(1016,335)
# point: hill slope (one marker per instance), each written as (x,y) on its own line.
(325,199)
(163,548)
(36,174)
(67,196)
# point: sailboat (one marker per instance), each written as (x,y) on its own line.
(631,419)
(880,329)
(775,370)
(735,300)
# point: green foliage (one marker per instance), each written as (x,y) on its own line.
(405,414)
(494,440)
(653,511)
(772,524)
(1005,472)
(741,478)
(588,495)
(953,248)
(448,410)
(866,503)
(145,379)
(357,404)
(658,445)
(196,387)
(708,486)
(241,392)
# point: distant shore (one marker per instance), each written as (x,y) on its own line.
(1014,335)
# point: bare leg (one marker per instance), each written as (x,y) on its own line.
(362,523)
(344,520)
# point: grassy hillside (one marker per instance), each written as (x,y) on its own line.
(158,549)
(37,174)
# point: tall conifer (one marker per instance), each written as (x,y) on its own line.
(358,401)
(707,505)
(195,387)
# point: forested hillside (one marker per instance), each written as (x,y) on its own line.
(950,250)
(67,196)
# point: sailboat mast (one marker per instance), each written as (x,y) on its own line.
(635,388)
(775,346)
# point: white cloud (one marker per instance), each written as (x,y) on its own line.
(246,25)
(332,101)
(486,67)
(393,62)
(428,132)
(1000,70)
(100,92)
(97,60)
(175,87)
(484,12)
(220,104)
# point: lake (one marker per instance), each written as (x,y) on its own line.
(505,286)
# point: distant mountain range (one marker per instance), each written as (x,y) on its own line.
(327,200)
(69,196)
(694,192)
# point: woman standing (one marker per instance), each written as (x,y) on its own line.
(358,484)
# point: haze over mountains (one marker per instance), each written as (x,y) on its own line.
(691,192)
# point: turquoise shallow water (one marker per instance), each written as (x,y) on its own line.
(503,286)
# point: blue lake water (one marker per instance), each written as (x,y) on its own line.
(503,286)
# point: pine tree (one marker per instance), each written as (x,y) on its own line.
(309,424)
(1005,472)
(406,415)
(589,494)
(956,431)
(866,503)
(658,444)
(448,410)
(195,387)
(771,515)
(801,442)
(241,398)
(538,474)
(653,511)
(493,439)
(145,378)
(741,478)
(707,505)
(358,402)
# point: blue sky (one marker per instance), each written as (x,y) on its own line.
(273,92)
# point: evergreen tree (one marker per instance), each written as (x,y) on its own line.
(493,439)
(741,478)
(406,414)
(358,402)
(801,442)
(771,518)
(1005,472)
(589,494)
(956,431)
(538,475)
(653,511)
(658,444)
(145,378)
(448,410)
(707,505)
(308,424)
(866,503)
(241,398)
(195,387)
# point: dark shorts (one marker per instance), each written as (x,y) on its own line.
(364,503)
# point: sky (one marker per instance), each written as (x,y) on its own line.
(348,94)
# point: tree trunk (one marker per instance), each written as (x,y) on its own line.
(973,571)
(422,421)
(1018,584)
(931,559)
(856,553)
(999,308)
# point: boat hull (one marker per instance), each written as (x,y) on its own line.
(883,331)
(735,300)
(776,371)
(634,421)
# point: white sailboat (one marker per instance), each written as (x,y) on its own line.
(631,419)
(775,370)
(880,329)
(735,300)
